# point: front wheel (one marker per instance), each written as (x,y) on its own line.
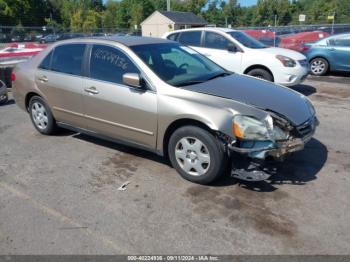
(196,154)
(41,116)
(261,73)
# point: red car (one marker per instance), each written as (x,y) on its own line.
(296,41)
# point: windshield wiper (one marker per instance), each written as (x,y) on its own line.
(218,75)
(188,83)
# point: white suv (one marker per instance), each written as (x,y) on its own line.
(240,53)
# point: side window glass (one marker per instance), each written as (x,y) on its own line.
(173,37)
(341,41)
(67,59)
(191,38)
(109,64)
(214,40)
(45,64)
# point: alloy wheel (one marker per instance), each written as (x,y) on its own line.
(318,67)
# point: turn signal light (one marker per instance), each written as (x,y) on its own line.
(237,131)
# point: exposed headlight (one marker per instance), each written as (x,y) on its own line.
(280,134)
(250,128)
(286,61)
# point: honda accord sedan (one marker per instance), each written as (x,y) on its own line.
(161,96)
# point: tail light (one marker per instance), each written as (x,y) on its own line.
(13,76)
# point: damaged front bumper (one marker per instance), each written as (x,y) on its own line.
(256,168)
(264,149)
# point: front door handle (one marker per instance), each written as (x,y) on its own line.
(332,49)
(43,79)
(207,54)
(91,90)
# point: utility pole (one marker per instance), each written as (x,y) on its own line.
(333,22)
(274,35)
(168,5)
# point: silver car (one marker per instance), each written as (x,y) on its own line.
(3,93)
(167,98)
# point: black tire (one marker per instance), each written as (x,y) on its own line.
(319,66)
(4,100)
(215,150)
(50,126)
(261,73)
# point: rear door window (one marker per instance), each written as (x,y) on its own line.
(191,38)
(109,64)
(68,59)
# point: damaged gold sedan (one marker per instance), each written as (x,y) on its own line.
(167,98)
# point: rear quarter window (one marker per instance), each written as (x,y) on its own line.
(45,64)
(173,37)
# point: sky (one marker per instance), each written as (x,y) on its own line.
(247,2)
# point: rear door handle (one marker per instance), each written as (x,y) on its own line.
(207,54)
(43,79)
(91,90)
(331,49)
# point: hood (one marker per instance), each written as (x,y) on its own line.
(259,93)
(282,51)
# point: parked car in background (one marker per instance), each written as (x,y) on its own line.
(267,37)
(3,93)
(167,98)
(17,53)
(296,41)
(238,52)
(49,38)
(70,36)
(329,54)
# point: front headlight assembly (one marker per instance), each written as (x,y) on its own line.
(250,128)
(286,61)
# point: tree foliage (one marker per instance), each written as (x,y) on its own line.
(84,15)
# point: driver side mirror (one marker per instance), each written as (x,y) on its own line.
(232,48)
(133,80)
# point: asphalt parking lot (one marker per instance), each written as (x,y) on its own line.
(58,195)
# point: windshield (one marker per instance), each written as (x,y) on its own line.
(246,40)
(178,65)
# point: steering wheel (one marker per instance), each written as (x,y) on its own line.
(182,66)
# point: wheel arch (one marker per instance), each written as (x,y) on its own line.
(258,66)
(178,124)
(28,97)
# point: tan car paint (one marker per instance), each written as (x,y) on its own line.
(120,111)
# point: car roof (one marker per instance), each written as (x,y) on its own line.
(124,40)
(217,29)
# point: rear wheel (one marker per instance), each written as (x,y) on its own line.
(41,116)
(319,66)
(261,73)
(196,154)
